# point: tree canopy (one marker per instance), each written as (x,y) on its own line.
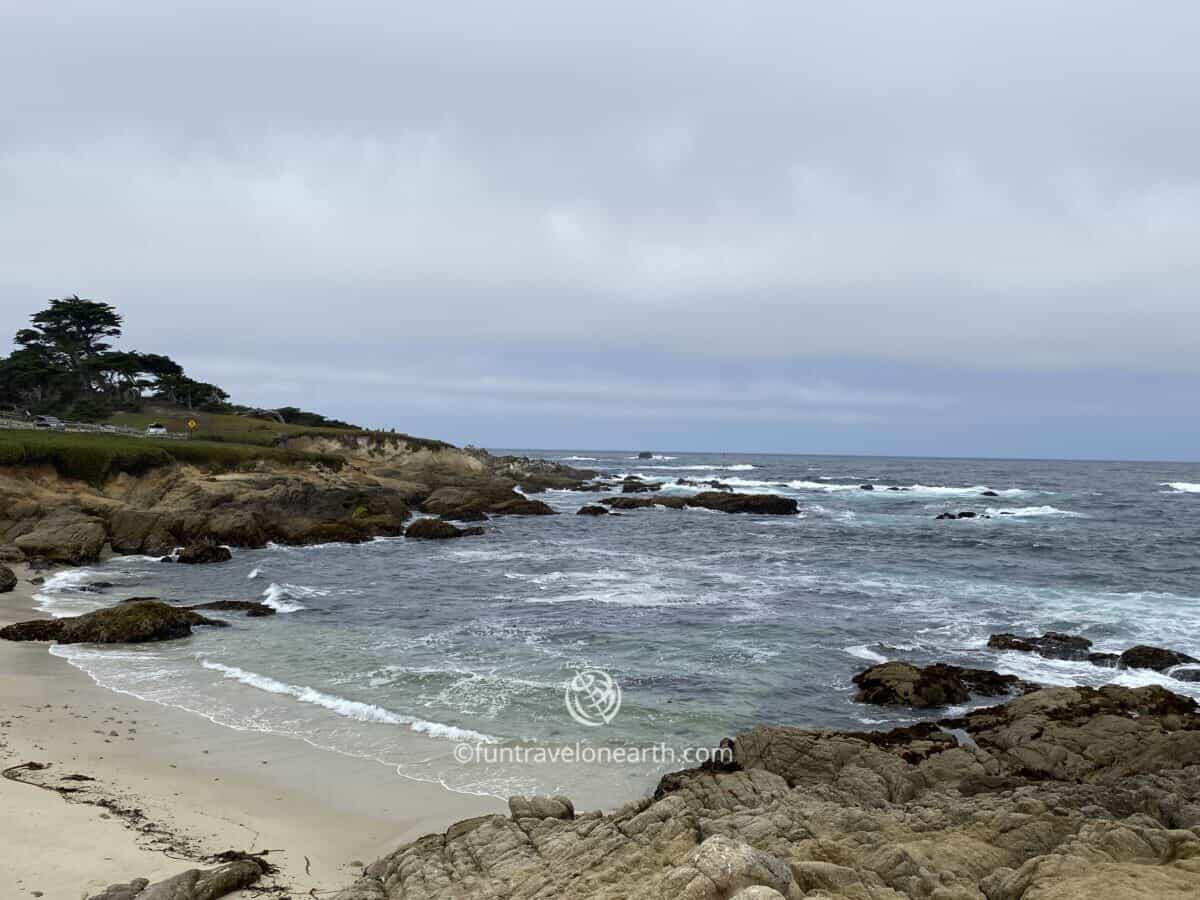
(65,365)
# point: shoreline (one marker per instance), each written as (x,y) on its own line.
(200,788)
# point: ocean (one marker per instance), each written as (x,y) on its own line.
(403,651)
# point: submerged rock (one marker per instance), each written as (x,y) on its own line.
(8,579)
(131,622)
(922,687)
(438,529)
(201,552)
(251,608)
(591,511)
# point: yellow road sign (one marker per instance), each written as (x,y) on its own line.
(192,424)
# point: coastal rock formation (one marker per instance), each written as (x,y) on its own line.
(437,529)
(644,502)
(591,511)
(1056,645)
(201,552)
(65,536)
(8,579)
(903,684)
(637,486)
(1052,645)
(132,622)
(1156,658)
(48,516)
(1063,794)
(194,884)
(763,504)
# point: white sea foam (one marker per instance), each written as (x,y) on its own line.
(1183,487)
(285,598)
(862,651)
(254,573)
(1023,512)
(351,709)
(921,490)
(579,458)
(737,467)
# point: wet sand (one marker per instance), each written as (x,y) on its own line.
(199,788)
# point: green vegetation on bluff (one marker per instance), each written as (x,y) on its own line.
(217,426)
(94,458)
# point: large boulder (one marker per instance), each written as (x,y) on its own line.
(903,684)
(762,504)
(521,807)
(8,579)
(133,622)
(522,507)
(65,538)
(591,511)
(1156,658)
(437,529)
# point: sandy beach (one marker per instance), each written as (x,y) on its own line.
(170,788)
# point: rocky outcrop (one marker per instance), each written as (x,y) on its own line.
(384,478)
(762,504)
(199,553)
(1156,658)
(8,579)
(903,684)
(591,511)
(1063,794)
(65,536)
(1056,645)
(437,529)
(523,507)
(132,622)
(194,884)
(635,485)
(626,503)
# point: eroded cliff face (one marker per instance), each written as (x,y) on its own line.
(1064,794)
(45,516)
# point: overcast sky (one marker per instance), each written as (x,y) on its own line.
(930,228)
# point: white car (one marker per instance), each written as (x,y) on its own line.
(154,429)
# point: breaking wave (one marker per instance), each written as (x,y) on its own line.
(1183,487)
(351,709)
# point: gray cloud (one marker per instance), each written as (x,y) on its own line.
(1003,189)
